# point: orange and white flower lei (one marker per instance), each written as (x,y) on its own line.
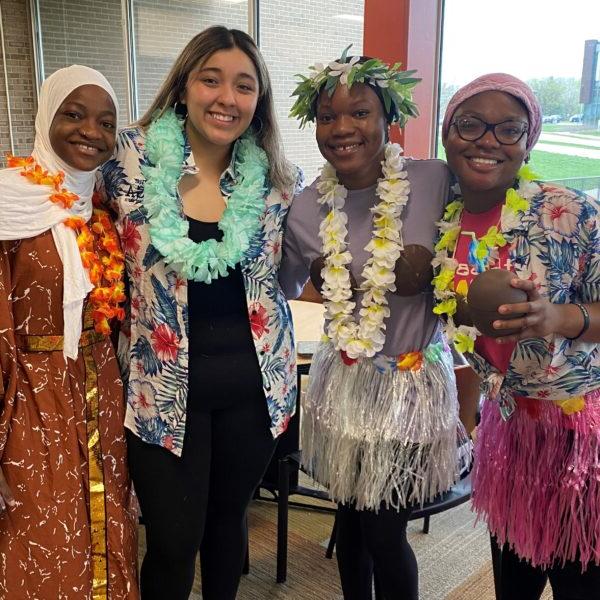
(100,253)
(365,338)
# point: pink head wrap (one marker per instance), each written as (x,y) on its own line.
(499,82)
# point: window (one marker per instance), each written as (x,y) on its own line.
(535,42)
(162,29)
(293,35)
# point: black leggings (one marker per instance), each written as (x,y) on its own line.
(520,581)
(199,501)
(369,542)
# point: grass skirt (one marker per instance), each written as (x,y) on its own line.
(537,480)
(377,435)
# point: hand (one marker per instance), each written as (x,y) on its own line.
(6,497)
(538,317)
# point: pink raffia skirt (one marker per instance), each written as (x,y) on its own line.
(536,480)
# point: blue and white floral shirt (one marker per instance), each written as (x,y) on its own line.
(154,347)
(557,245)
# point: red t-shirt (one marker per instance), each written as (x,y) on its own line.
(478,223)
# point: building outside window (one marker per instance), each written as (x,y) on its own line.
(530,41)
(590,85)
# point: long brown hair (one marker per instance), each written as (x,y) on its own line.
(198,50)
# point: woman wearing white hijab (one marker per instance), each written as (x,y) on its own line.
(66,530)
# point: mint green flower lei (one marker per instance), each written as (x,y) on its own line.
(239,223)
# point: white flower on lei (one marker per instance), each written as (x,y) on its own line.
(366,337)
(317,70)
(445,262)
(342,70)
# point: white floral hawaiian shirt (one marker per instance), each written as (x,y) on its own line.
(557,245)
(154,347)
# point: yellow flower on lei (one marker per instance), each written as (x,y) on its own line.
(448,239)
(527,173)
(443,280)
(493,238)
(463,342)
(452,209)
(573,405)
(445,307)
(515,202)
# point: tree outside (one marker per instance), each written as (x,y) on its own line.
(557,95)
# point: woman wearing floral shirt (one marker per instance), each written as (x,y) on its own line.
(201,190)
(537,459)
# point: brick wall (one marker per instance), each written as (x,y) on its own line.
(295,34)
(87,33)
(20,77)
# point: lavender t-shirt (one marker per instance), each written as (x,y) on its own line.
(412,324)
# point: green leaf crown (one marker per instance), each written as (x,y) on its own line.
(394,86)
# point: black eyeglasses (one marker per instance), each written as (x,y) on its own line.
(506,133)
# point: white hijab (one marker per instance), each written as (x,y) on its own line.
(26,210)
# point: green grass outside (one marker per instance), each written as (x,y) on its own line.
(550,165)
(571,145)
(568,128)
(551,127)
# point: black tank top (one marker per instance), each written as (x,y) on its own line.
(223,366)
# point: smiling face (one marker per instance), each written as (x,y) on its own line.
(221,96)
(351,134)
(84,128)
(485,168)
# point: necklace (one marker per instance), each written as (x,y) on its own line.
(484,249)
(446,292)
(98,244)
(168,228)
(366,337)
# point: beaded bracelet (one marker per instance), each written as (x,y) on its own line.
(586,321)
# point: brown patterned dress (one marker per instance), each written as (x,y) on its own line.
(71,534)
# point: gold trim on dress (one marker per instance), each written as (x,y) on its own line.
(96,480)
(54,343)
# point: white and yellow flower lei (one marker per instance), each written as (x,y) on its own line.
(444,264)
(365,338)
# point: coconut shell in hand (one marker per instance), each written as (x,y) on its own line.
(488,291)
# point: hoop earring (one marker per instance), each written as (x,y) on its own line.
(258,129)
(180,109)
